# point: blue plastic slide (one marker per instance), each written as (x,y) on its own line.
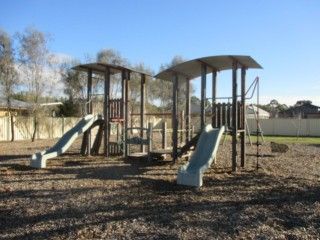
(204,155)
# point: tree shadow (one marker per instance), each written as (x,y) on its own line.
(315,145)
(222,208)
(18,167)
(14,157)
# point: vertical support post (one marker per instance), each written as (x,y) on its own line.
(106,134)
(62,126)
(150,138)
(182,127)
(188,111)
(234,116)
(89,110)
(123,109)
(164,135)
(243,117)
(142,106)
(214,95)
(126,114)
(203,94)
(175,117)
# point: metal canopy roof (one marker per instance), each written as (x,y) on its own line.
(192,69)
(100,68)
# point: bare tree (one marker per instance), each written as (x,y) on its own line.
(75,83)
(8,74)
(135,90)
(162,89)
(34,59)
(111,56)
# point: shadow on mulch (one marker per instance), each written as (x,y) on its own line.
(224,170)
(13,157)
(74,163)
(274,196)
(18,167)
(261,155)
(315,145)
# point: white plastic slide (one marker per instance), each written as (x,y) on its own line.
(39,159)
(204,155)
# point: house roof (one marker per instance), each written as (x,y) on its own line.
(15,104)
(252,109)
(192,69)
(302,107)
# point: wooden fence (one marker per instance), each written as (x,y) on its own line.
(48,127)
(56,127)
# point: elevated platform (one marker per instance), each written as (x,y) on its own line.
(138,155)
(160,154)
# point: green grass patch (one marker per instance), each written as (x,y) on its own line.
(288,139)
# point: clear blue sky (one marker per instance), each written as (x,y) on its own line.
(283,36)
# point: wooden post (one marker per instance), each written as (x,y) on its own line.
(142,106)
(62,126)
(123,110)
(188,111)
(175,117)
(106,111)
(150,138)
(126,114)
(234,116)
(223,112)
(164,135)
(89,110)
(214,95)
(229,116)
(203,94)
(243,117)
(192,131)
(182,127)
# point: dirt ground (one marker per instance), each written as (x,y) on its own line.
(96,198)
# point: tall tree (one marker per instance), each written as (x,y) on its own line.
(111,56)
(8,73)
(135,90)
(34,59)
(164,92)
(75,83)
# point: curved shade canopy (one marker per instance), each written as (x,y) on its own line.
(192,69)
(100,68)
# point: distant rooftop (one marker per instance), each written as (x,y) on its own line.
(15,104)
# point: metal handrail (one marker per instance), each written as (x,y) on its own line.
(253,84)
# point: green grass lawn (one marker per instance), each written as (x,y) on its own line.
(286,139)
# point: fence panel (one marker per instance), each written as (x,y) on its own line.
(287,127)
(56,127)
(24,126)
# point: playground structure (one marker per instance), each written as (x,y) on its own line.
(116,111)
(235,120)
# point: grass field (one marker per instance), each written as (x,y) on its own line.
(286,139)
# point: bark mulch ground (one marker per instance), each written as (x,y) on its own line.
(80,197)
